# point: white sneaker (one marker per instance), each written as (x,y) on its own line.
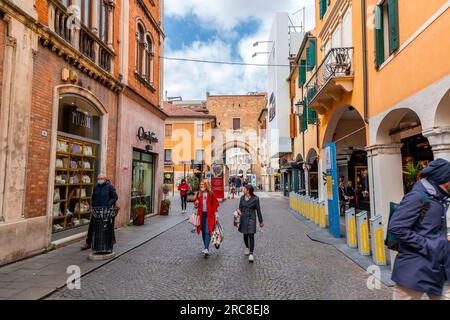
(206,253)
(247,251)
(251,258)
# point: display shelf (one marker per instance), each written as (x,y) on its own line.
(69,202)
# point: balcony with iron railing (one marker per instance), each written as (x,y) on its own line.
(332,78)
(78,36)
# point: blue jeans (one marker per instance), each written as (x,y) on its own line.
(205,233)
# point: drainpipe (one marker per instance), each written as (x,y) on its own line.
(364,54)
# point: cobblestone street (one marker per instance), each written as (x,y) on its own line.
(288,266)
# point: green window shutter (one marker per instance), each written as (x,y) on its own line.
(394,42)
(311,55)
(312,116)
(302,73)
(322,8)
(304,117)
(379,36)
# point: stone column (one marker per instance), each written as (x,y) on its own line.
(306,172)
(109,41)
(385,178)
(439,139)
(21,45)
(95,14)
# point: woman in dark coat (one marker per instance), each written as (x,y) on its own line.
(248,209)
(422,265)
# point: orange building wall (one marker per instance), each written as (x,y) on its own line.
(421,63)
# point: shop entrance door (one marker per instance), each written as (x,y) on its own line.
(142,181)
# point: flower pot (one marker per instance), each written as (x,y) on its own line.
(164,209)
(139,217)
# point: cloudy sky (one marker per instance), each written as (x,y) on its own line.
(221,30)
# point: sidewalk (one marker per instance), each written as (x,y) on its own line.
(39,276)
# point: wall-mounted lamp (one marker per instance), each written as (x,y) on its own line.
(256,53)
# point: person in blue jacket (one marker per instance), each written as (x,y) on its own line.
(422,265)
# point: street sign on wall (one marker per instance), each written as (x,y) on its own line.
(332,190)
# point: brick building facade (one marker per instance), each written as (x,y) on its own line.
(69,90)
(237,127)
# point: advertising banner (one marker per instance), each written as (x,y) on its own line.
(217,182)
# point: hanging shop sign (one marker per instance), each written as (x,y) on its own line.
(272,107)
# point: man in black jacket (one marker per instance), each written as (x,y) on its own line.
(104,195)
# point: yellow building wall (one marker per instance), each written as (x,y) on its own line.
(184,142)
(356,97)
(423,62)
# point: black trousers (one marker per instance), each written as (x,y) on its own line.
(183,202)
(249,240)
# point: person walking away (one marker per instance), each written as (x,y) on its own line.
(343,198)
(207,206)
(245,183)
(350,191)
(249,208)
(238,184)
(419,224)
(183,188)
(104,195)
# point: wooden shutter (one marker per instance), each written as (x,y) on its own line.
(292,125)
(394,42)
(311,55)
(379,36)
(302,73)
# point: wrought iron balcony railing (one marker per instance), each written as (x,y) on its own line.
(337,63)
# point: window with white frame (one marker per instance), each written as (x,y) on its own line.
(199,155)
(200,130)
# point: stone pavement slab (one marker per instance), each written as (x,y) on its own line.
(39,276)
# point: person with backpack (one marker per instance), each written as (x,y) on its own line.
(419,227)
(207,206)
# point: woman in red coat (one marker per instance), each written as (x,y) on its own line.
(207,206)
(184,189)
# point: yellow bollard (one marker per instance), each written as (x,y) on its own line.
(350,223)
(316,212)
(323,217)
(363,233)
(377,241)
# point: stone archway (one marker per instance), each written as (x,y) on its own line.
(439,135)
(387,157)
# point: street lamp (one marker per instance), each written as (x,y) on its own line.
(300,106)
(256,53)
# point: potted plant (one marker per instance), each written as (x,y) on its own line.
(410,174)
(165,207)
(165,190)
(194,183)
(139,211)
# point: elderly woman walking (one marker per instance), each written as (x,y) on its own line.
(248,209)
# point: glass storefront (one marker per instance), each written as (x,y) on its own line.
(77,162)
(142,182)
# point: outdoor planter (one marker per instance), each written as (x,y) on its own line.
(139,215)
(165,207)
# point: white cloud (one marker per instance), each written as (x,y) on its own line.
(192,80)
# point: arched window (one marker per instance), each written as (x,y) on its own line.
(148,59)
(140,49)
(86,12)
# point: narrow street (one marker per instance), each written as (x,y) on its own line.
(288,265)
